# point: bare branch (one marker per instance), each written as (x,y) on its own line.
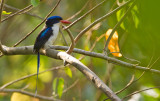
(139,92)
(16,13)
(27,76)
(69,51)
(73,16)
(28,50)
(84,15)
(29,94)
(129,83)
(1,9)
(63,37)
(69,59)
(16,9)
(99,20)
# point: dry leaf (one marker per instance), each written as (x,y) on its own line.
(113,44)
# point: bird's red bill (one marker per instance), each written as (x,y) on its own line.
(65,21)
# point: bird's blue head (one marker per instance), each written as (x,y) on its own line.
(55,19)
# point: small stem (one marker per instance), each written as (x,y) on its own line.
(1,9)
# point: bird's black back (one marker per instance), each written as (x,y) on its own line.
(41,39)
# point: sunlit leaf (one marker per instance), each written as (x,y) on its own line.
(60,86)
(113,44)
(68,72)
(21,97)
(54,86)
(35,2)
(120,14)
(134,15)
(6,13)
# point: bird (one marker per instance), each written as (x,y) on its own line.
(47,36)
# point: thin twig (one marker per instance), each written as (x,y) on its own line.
(84,15)
(38,24)
(139,92)
(29,94)
(71,86)
(16,13)
(27,76)
(94,44)
(115,27)
(129,83)
(16,9)
(99,20)
(63,37)
(73,16)
(132,82)
(1,9)
(69,51)
(1,48)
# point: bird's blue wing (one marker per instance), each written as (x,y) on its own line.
(42,38)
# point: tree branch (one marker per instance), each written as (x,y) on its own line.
(16,9)
(22,10)
(29,94)
(27,76)
(69,59)
(99,20)
(27,50)
(84,15)
(1,9)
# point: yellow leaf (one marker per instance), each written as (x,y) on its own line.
(21,97)
(6,13)
(113,44)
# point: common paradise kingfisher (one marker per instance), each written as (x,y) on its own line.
(47,36)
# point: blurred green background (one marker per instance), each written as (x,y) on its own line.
(138,39)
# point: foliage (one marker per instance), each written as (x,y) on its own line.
(138,39)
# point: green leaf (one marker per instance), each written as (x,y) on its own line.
(134,15)
(6,13)
(68,72)
(35,2)
(60,86)
(120,14)
(54,85)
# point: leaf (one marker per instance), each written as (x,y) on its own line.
(54,86)
(35,2)
(113,44)
(6,13)
(120,14)
(68,72)
(60,87)
(134,15)
(20,97)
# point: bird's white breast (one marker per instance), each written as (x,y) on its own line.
(53,37)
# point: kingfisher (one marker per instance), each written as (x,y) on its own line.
(47,36)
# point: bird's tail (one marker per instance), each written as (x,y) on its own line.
(38,64)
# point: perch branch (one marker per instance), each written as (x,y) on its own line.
(27,50)
(69,59)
